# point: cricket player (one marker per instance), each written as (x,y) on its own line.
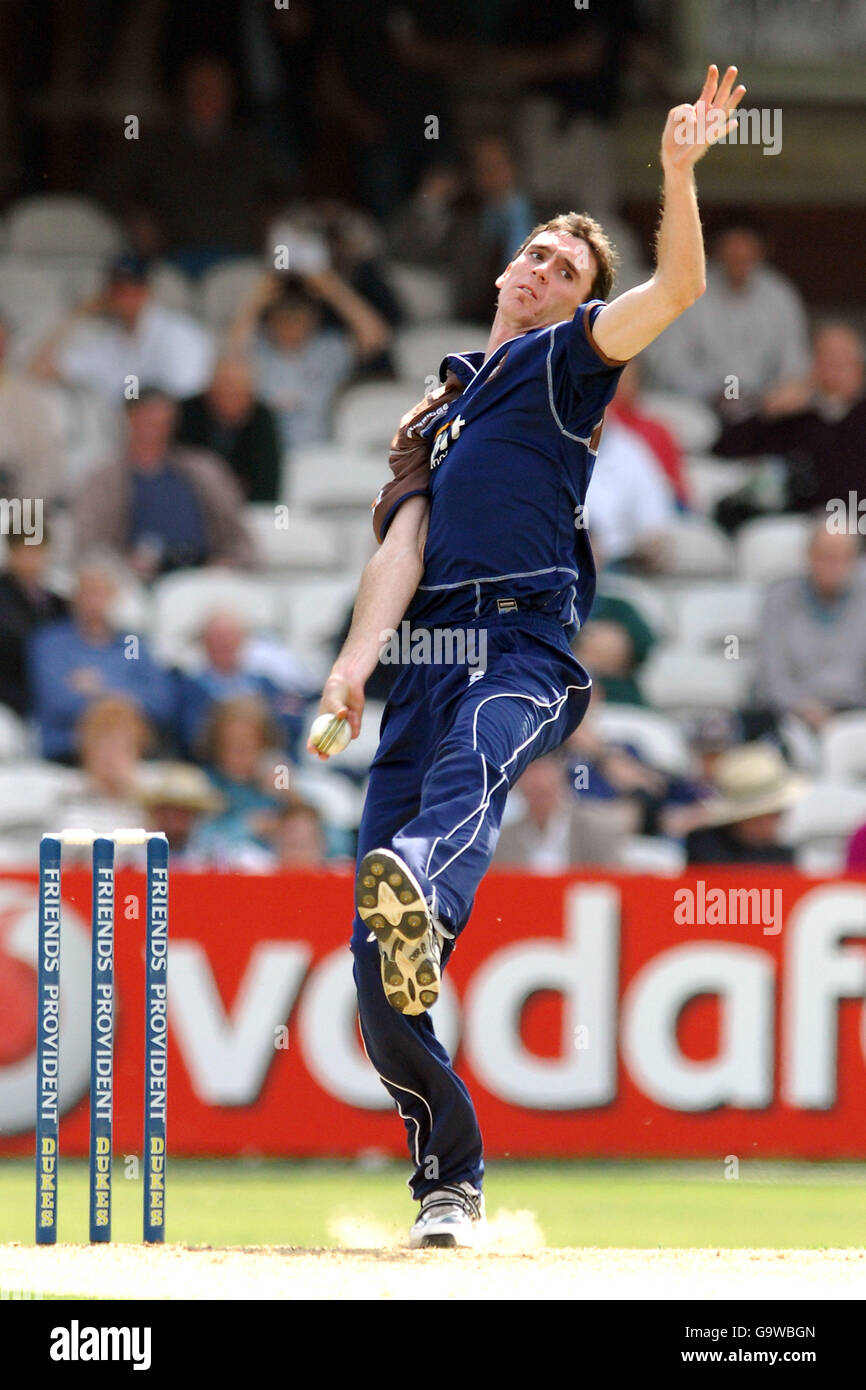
(488,536)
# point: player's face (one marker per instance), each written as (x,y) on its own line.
(547,281)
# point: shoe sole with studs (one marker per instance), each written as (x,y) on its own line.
(389,900)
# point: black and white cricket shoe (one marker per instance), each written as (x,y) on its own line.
(389,900)
(451,1216)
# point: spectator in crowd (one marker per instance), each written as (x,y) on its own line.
(227,419)
(176,797)
(239,750)
(300,364)
(811,659)
(26,603)
(754,788)
(238,664)
(298,838)
(162,506)
(613,645)
(82,658)
(745,336)
(124,336)
(112,737)
(554,832)
(32,447)
(626,407)
(470,234)
(206,180)
(817,425)
(630,505)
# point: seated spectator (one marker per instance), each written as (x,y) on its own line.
(613,644)
(298,838)
(750,325)
(238,747)
(112,737)
(754,788)
(176,797)
(301,364)
(121,335)
(228,420)
(33,449)
(162,506)
(26,603)
(818,426)
(811,659)
(471,233)
(82,658)
(627,409)
(629,505)
(237,665)
(555,833)
(205,179)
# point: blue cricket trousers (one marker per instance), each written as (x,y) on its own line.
(450,748)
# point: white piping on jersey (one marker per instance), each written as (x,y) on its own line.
(409,1092)
(579,439)
(486,795)
(496,578)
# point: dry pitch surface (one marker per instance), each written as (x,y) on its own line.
(176,1271)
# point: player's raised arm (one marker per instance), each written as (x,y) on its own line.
(388,583)
(632,321)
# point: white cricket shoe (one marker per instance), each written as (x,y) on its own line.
(451,1216)
(389,900)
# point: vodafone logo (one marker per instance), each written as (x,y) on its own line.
(18,935)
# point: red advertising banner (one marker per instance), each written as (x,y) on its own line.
(720,1012)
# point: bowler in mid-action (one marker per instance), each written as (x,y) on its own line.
(490,536)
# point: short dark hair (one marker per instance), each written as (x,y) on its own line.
(580,224)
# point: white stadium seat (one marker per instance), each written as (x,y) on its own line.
(418,351)
(335,477)
(773,547)
(821,823)
(306,543)
(15,740)
(658,739)
(651,601)
(425,294)
(843,747)
(691,422)
(705,617)
(695,546)
(711,479)
(29,793)
(367,416)
(312,613)
(678,678)
(32,302)
(650,854)
(182,602)
(61,224)
(225,288)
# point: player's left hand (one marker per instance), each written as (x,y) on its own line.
(690,130)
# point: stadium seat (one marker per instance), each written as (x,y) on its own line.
(424,294)
(368,415)
(710,479)
(335,477)
(183,601)
(705,617)
(658,740)
(680,679)
(171,287)
(62,224)
(307,543)
(224,289)
(650,598)
(651,854)
(31,300)
(419,350)
(772,547)
(820,824)
(691,422)
(338,801)
(29,794)
(843,748)
(15,740)
(312,613)
(696,547)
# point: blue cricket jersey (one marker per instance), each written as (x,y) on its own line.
(510,464)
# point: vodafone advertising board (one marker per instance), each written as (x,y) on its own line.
(598,1015)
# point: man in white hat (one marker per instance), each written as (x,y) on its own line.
(755,787)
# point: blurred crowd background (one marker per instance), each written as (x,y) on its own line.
(204,427)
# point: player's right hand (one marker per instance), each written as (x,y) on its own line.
(343,697)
